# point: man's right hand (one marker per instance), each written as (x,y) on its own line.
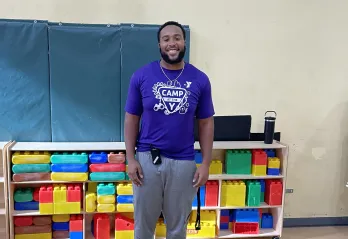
(135,172)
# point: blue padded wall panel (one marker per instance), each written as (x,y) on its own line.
(24,81)
(139,47)
(85,82)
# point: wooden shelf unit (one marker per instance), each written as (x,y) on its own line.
(219,149)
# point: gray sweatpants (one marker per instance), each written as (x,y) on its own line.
(166,188)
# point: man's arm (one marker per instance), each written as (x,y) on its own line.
(206,137)
(131,130)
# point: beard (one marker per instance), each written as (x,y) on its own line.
(166,58)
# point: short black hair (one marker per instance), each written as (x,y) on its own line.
(170,23)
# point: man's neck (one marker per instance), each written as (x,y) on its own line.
(177,66)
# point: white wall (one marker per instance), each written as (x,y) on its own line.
(260,55)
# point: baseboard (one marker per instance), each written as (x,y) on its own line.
(315,222)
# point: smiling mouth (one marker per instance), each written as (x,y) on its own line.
(173,51)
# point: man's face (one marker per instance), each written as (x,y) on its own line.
(172,44)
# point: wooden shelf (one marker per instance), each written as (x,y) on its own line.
(262,233)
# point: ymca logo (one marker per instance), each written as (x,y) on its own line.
(172,97)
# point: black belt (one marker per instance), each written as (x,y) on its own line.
(198,218)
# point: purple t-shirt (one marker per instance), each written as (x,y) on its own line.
(168,108)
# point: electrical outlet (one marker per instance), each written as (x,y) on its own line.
(289,190)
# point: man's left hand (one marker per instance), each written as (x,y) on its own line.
(201,175)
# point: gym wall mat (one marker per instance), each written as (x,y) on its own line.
(24,81)
(139,47)
(85,82)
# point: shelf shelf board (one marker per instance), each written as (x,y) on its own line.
(262,233)
(120,146)
(262,205)
(17,213)
(211,177)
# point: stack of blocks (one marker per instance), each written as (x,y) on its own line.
(125,197)
(233,193)
(245,221)
(238,162)
(106,197)
(69,167)
(31,166)
(76,227)
(60,199)
(259,162)
(124,227)
(107,167)
(60,226)
(29,227)
(25,199)
(215,166)
(91,197)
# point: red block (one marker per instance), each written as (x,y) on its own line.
(211,193)
(108,167)
(23,221)
(245,227)
(101,226)
(36,195)
(74,193)
(274,192)
(259,157)
(76,223)
(46,194)
(123,223)
(224,219)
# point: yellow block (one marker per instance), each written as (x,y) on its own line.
(31,236)
(46,208)
(207,216)
(233,193)
(273,163)
(215,167)
(207,231)
(124,189)
(61,218)
(91,204)
(124,234)
(92,187)
(259,170)
(78,177)
(125,207)
(106,207)
(160,229)
(59,193)
(106,199)
(31,158)
(67,208)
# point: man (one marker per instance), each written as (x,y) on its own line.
(167,95)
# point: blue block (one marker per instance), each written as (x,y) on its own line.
(95,157)
(263,185)
(198,157)
(225,212)
(267,220)
(76,235)
(245,215)
(124,199)
(224,226)
(26,205)
(60,226)
(270,153)
(273,171)
(73,168)
(202,195)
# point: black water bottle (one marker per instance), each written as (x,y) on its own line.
(269,127)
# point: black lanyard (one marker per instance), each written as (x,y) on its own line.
(198,219)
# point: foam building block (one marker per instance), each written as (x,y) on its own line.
(259,162)
(101,227)
(107,176)
(23,221)
(267,220)
(273,167)
(23,195)
(253,193)
(238,162)
(211,193)
(202,197)
(76,227)
(233,193)
(96,157)
(26,206)
(42,220)
(117,158)
(274,192)
(215,167)
(31,157)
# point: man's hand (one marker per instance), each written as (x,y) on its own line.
(201,175)
(135,172)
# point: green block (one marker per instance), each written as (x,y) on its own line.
(106,189)
(238,162)
(31,168)
(127,177)
(23,195)
(69,158)
(253,193)
(262,198)
(107,176)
